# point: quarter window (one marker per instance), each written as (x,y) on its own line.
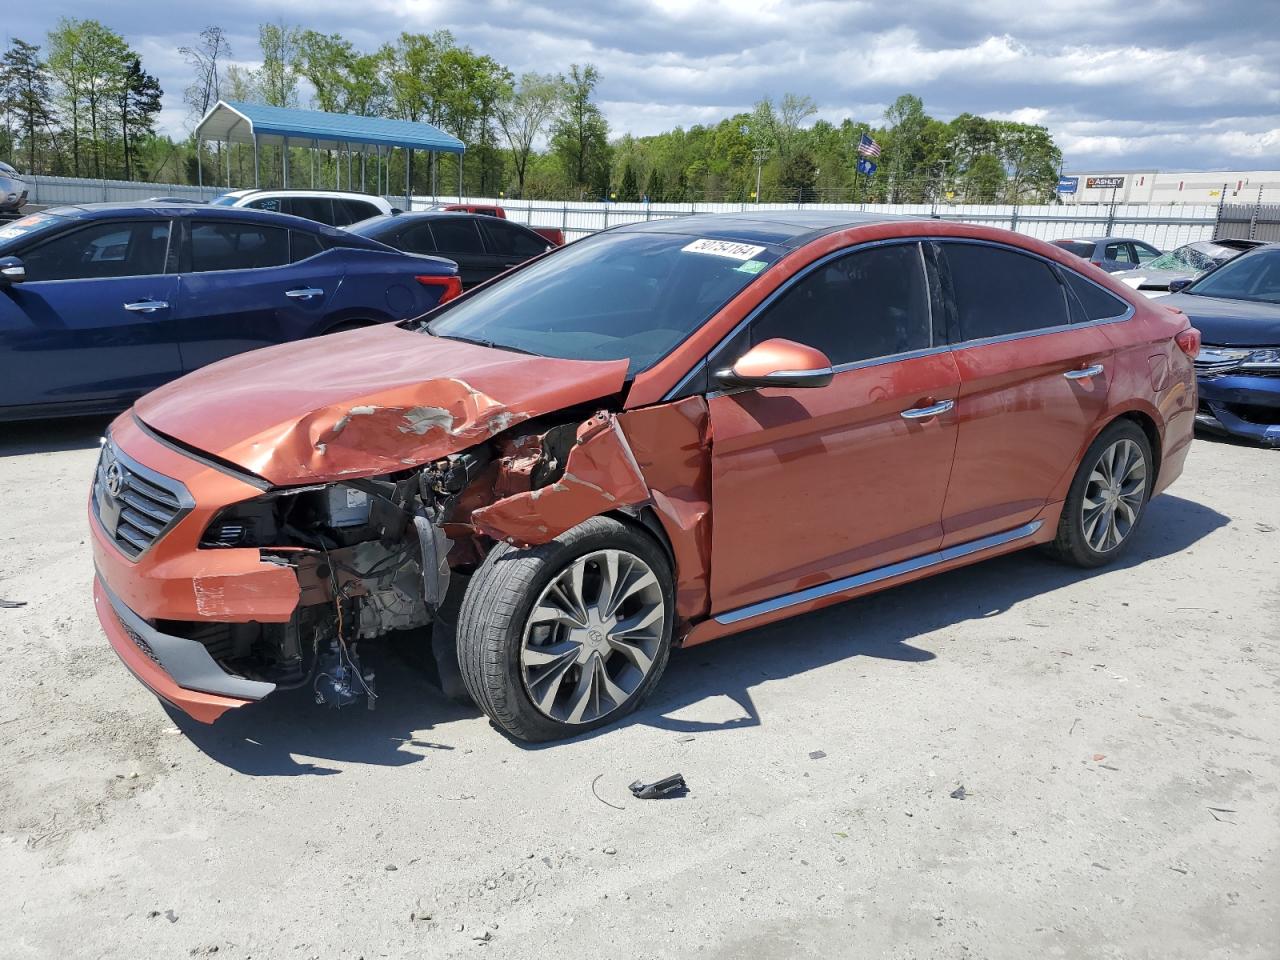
(237,246)
(303,245)
(1119,252)
(1096,303)
(867,304)
(110,249)
(352,211)
(998,292)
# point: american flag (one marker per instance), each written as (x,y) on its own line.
(868,147)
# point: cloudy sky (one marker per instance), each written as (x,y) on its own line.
(1167,84)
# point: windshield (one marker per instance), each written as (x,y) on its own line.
(226,200)
(615,296)
(27,227)
(1184,258)
(1253,277)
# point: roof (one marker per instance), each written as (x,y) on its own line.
(783,228)
(234,121)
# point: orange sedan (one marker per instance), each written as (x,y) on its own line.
(660,435)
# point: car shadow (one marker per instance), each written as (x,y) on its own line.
(270,738)
(21,437)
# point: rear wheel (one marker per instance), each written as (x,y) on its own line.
(1107,497)
(562,638)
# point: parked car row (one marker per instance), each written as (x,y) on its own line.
(1184,263)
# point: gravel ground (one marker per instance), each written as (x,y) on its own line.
(1115,734)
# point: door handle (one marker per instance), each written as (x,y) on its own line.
(1084,373)
(147,306)
(304,293)
(923,413)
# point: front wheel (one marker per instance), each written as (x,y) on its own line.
(1107,497)
(568,636)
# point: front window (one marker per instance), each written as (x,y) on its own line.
(1254,277)
(101,250)
(615,296)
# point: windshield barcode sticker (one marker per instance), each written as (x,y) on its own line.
(723,248)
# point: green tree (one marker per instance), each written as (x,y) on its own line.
(629,188)
(27,93)
(205,59)
(277,78)
(580,134)
(653,186)
(984,179)
(523,115)
(139,105)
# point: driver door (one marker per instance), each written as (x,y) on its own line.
(813,484)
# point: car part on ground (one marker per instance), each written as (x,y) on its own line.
(545,457)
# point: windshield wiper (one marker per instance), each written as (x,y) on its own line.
(481,342)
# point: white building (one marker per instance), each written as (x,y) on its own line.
(1152,186)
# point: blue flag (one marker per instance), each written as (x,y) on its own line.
(866,166)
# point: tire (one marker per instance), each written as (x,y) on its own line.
(525,658)
(1096,511)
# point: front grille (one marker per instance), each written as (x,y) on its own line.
(142,645)
(1216,366)
(135,505)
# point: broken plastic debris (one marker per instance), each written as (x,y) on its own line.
(672,786)
(959,793)
(12,604)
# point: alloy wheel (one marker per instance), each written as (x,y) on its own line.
(1114,495)
(593,636)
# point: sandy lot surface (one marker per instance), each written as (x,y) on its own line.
(1117,736)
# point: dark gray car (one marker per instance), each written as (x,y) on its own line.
(1110,253)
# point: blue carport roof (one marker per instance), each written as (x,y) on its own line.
(233,121)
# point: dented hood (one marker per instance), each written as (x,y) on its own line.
(366,402)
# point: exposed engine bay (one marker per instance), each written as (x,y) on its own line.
(388,555)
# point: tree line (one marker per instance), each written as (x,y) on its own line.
(82,105)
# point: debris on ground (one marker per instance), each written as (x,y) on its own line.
(959,793)
(1214,811)
(12,604)
(602,799)
(672,786)
(817,754)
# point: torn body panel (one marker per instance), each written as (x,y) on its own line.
(400,399)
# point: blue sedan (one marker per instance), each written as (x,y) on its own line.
(1236,308)
(101,303)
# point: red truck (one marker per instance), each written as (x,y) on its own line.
(552,234)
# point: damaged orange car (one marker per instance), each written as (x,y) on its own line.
(653,437)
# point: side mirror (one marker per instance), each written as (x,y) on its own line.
(12,270)
(778,363)
(1180,284)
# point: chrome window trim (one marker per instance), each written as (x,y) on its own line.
(878,574)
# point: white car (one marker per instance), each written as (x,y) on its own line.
(13,189)
(1188,261)
(334,207)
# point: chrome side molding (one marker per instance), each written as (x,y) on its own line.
(878,574)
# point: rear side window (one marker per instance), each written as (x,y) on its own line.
(352,211)
(303,245)
(1077,247)
(456,235)
(319,209)
(1118,252)
(871,303)
(111,249)
(418,239)
(237,246)
(1096,303)
(508,240)
(998,292)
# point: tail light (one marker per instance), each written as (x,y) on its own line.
(1096,263)
(1188,342)
(450,287)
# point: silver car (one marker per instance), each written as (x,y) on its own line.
(1188,261)
(13,189)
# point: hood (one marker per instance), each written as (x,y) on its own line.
(365,402)
(1141,279)
(1230,323)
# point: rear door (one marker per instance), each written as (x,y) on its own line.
(94,320)
(810,485)
(455,238)
(238,290)
(319,209)
(1118,256)
(1033,384)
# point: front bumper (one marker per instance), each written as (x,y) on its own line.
(175,580)
(1240,405)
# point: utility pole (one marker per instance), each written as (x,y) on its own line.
(759,153)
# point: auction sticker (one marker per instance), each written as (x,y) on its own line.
(723,248)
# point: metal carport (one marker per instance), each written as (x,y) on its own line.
(233,121)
